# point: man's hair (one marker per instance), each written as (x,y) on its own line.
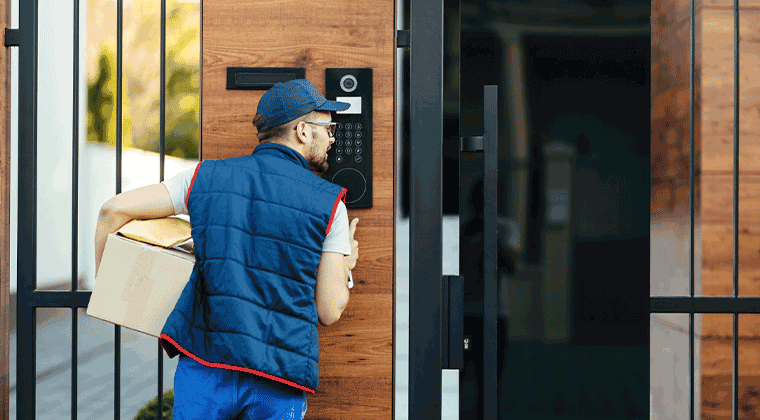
(278,134)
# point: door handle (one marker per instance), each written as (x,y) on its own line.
(490,262)
(488,144)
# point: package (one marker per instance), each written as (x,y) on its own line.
(145,267)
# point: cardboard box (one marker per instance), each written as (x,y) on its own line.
(139,283)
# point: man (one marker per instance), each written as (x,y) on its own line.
(273,252)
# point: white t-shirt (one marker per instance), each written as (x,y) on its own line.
(337,239)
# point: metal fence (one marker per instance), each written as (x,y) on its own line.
(692,304)
(29,299)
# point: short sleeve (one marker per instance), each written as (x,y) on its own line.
(337,239)
(177,187)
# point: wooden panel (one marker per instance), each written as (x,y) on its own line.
(5,211)
(670,113)
(718,234)
(356,360)
(718,198)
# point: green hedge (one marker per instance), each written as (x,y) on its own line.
(150,410)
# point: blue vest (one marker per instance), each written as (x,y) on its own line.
(258,224)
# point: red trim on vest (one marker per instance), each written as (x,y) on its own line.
(341,197)
(187,197)
(241,369)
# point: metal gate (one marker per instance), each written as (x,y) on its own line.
(426,102)
(29,299)
(426,75)
(693,304)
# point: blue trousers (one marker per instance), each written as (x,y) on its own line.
(202,392)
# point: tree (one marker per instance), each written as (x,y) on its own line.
(101,103)
(141,97)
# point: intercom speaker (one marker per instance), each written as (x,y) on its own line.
(348,83)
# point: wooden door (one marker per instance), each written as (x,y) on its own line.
(356,353)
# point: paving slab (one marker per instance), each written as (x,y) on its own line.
(96,371)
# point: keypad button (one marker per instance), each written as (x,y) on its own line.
(348,142)
(339,150)
(339,159)
(349,134)
(358,142)
(358,150)
(348,150)
(349,126)
(358,126)
(358,159)
(338,143)
(338,134)
(358,134)
(340,126)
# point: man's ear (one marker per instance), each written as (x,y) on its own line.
(301,127)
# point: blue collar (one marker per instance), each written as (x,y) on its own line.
(269,148)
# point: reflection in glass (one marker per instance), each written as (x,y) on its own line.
(669,380)
(749,146)
(716,365)
(717,159)
(572,337)
(749,366)
(670,150)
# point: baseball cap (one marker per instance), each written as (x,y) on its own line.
(287,101)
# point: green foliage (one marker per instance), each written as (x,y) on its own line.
(101,102)
(151,409)
(141,84)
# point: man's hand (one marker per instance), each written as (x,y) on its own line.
(151,202)
(350,260)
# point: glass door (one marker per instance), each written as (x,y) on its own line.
(570,272)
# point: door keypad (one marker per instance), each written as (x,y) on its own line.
(346,146)
(350,157)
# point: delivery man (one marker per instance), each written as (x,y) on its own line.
(273,250)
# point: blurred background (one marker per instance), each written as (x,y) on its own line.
(97,180)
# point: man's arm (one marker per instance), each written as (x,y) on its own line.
(331,292)
(151,202)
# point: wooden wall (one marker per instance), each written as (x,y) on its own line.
(356,361)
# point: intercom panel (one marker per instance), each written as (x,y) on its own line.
(350,157)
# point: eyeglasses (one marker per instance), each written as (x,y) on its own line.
(329,126)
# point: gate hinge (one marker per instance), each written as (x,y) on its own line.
(403,38)
(12,37)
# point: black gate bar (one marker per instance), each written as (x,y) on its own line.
(692,79)
(735,344)
(119,57)
(26,279)
(425,216)
(161,143)
(75,211)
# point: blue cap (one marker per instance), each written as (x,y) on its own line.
(287,101)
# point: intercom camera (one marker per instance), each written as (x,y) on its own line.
(350,157)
